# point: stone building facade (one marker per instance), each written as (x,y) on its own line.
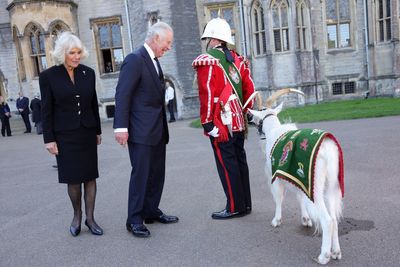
(109,29)
(329,49)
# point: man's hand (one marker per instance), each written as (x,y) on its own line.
(122,138)
(98,139)
(52,148)
(214,132)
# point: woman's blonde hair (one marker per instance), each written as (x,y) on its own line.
(64,43)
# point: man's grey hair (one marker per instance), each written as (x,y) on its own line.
(158,29)
(65,42)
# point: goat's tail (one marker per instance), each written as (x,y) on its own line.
(327,185)
(333,189)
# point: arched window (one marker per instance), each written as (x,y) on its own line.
(257,19)
(38,56)
(56,28)
(301,25)
(280,25)
(383,23)
(20,56)
(338,22)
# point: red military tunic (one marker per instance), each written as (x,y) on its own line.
(211,83)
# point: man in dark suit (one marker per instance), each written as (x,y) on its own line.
(36,107)
(23,108)
(140,121)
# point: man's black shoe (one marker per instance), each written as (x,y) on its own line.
(138,230)
(225,214)
(162,219)
(248,210)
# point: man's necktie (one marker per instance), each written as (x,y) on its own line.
(160,72)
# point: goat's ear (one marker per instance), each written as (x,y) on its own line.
(278,108)
(253,112)
(255,116)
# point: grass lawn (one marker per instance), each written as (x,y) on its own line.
(343,110)
(338,110)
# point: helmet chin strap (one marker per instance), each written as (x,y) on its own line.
(208,43)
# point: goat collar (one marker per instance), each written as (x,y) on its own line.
(259,128)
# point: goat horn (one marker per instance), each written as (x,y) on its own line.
(279,93)
(259,101)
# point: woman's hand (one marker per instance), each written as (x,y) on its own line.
(98,139)
(52,148)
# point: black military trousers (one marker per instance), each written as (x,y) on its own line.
(233,171)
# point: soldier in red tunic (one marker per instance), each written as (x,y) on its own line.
(226,90)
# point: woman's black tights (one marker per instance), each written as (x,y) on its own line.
(75,194)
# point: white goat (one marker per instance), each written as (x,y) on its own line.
(326,209)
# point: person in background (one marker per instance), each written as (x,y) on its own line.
(109,67)
(5,116)
(141,123)
(225,88)
(36,108)
(169,100)
(71,126)
(23,108)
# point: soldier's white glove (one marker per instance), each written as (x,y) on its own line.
(214,132)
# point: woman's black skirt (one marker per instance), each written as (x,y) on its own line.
(77,155)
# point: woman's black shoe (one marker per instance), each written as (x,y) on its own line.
(74,230)
(95,229)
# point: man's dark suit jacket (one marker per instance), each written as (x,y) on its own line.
(67,106)
(23,104)
(36,108)
(139,100)
(4,108)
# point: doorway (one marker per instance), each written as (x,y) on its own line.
(172,114)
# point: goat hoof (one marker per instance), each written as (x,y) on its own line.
(306,222)
(276,222)
(336,255)
(322,262)
(323,258)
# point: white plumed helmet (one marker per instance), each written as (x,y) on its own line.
(218,29)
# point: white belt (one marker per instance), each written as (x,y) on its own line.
(231,97)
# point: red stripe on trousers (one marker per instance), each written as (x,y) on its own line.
(232,203)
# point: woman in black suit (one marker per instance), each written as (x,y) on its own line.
(5,115)
(71,125)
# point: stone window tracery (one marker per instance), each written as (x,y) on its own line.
(37,49)
(280,25)
(108,43)
(338,23)
(258,26)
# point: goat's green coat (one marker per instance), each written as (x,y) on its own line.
(293,158)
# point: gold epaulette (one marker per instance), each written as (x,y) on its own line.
(204,60)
